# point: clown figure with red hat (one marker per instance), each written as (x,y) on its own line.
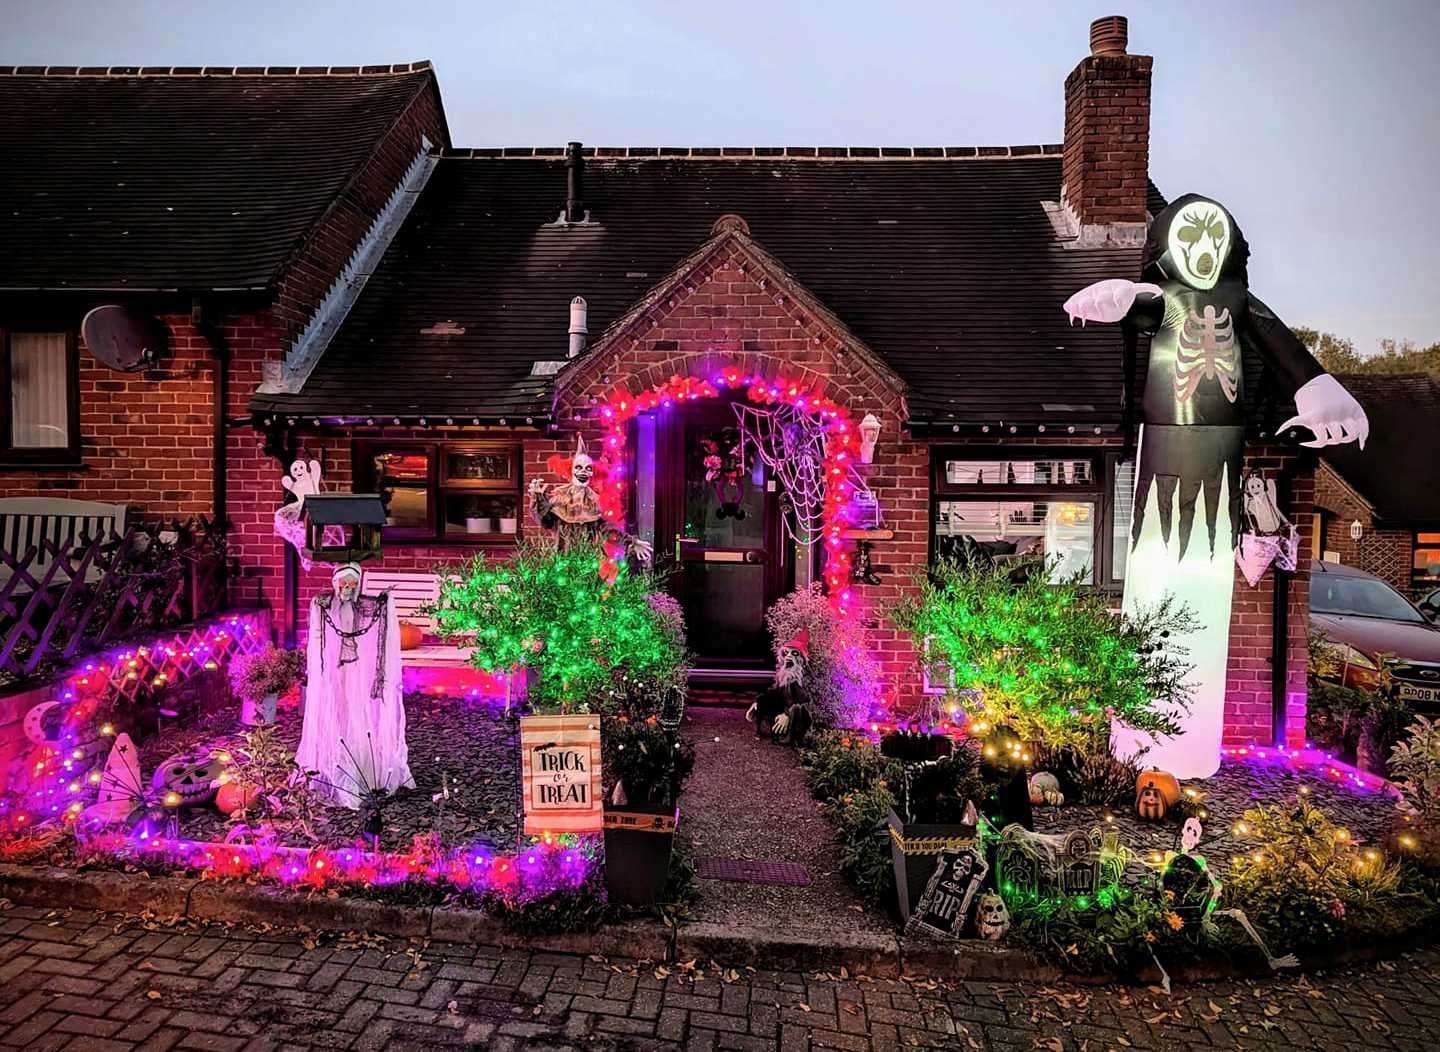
(784,706)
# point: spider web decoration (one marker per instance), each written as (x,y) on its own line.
(791,443)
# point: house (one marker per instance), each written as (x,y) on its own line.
(515,294)
(1380,510)
(224,202)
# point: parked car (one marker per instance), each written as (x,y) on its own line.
(1365,621)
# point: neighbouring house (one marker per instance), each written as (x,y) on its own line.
(1379,510)
(404,313)
(225,202)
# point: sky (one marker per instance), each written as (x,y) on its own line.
(1317,123)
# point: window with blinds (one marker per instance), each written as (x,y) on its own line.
(39,380)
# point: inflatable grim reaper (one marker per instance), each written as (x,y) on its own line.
(1196,307)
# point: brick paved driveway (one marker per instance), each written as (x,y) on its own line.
(80,980)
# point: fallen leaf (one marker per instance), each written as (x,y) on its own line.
(154,995)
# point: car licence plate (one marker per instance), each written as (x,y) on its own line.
(1409,693)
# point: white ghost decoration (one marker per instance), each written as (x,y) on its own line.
(303,479)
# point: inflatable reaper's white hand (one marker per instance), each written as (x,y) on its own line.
(1109,300)
(1330,411)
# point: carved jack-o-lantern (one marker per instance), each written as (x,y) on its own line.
(193,777)
(1150,804)
(1164,781)
(992,919)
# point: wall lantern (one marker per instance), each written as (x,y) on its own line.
(1356,530)
(869,435)
(353,520)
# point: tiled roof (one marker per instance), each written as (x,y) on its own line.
(946,266)
(1398,471)
(180,177)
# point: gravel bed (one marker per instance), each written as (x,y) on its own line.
(472,746)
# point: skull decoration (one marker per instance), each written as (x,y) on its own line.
(1045,789)
(193,777)
(345,580)
(992,919)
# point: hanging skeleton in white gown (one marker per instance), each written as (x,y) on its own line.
(353,737)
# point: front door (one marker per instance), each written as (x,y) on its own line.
(719,517)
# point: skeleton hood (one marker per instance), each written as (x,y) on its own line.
(1188,227)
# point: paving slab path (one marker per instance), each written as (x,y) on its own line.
(747,800)
(88,982)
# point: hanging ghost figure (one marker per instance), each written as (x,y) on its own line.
(572,510)
(1196,307)
(303,479)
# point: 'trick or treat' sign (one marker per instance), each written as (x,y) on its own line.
(560,773)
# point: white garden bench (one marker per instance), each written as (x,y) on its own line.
(30,521)
(411,592)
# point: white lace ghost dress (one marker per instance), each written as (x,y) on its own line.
(353,736)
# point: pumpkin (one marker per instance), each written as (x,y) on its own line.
(411,636)
(1150,804)
(233,796)
(1164,781)
(191,776)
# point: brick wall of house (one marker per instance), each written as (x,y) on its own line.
(1248,692)
(1386,551)
(146,437)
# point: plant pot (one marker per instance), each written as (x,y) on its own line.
(915,850)
(509,525)
(638,842)
(481,524)
(255,713)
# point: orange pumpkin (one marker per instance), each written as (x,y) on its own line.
(1166,782)
(1150,804)
(411,636)
(232,797)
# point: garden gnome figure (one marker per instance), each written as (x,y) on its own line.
(1196,307)
(784,707)
(353,737)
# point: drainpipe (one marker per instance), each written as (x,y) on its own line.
(1280,614)
(208,326)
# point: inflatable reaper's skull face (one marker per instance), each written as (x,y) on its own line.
(790,668)
(1198,240)
(582,468)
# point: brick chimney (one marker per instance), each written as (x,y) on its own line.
(1107,137)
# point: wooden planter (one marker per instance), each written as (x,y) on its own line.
(638,842)
(915,850)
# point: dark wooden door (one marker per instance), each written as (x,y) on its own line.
(718,517)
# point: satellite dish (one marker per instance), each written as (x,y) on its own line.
(122,338)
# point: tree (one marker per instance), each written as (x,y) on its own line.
(1338,355)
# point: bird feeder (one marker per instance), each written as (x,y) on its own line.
(343,527)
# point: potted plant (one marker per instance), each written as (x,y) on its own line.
(260,678)
(934,813)
(646,764)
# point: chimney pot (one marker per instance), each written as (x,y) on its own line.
(1109,35)
(579,331)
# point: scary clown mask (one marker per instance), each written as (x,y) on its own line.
(582,468)
(1198,242)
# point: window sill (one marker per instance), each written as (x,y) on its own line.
(507,540)
(8,464)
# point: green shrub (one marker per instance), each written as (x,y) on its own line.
(1049,660)
(596,644)
(839,762)
(1415,768)
(860,818)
